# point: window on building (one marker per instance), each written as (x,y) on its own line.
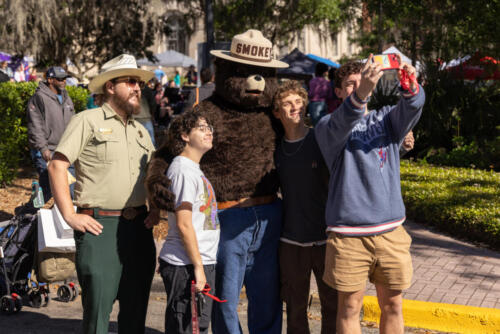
(176,39)
(335,44)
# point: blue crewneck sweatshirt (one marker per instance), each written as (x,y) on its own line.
(362,154)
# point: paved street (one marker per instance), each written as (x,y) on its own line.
(445,271)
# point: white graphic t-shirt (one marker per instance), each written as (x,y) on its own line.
(189,184)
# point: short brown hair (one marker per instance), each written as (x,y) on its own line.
(182,124)
(352,67)
(287,88)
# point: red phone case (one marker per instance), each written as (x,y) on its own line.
(388,61)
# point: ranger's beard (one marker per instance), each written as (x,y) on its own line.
(125,105)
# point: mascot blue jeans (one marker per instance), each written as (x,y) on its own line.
(248,254)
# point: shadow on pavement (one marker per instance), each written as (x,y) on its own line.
(28,322)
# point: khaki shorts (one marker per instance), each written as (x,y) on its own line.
(385,259)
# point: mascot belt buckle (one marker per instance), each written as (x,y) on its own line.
(129,213)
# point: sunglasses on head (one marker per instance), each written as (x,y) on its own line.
(131,82)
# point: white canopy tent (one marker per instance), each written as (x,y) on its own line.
(169,58)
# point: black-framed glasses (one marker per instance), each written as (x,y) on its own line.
(131,82)
(59,79)
(205,128)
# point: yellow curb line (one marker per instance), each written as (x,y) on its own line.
(441,317)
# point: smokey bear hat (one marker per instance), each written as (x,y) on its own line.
(250,48)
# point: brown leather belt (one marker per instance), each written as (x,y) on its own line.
(127,213)
(246,202)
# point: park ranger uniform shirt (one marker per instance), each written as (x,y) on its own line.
(110,159)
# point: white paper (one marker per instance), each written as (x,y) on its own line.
(64,231)
(48,241)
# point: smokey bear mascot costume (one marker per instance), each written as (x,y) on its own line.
(240,168)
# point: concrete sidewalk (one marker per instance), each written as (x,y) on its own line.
(456,285)
(446,270)
(456,288)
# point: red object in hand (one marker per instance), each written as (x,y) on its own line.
(406,81)
(206,291)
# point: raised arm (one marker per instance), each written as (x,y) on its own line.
(405,115)
(333,130)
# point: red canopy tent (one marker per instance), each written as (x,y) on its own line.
(476,67)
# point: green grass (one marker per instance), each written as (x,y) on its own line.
(462,201)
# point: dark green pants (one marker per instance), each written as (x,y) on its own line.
(117,264)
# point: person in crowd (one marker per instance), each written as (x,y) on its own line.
(48,111)
(173,103)
(157,90)
(332,101)
(365,209)
(177,79)
(33,75)
(163,108)
(190,248)
(147,115)
(205,91)
(160,75)
(19,75)
(319,90)
(192,76)
(115,250)
(6,69)
(94,101)
(303,178)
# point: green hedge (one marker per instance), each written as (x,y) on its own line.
(13,132)
(462,201)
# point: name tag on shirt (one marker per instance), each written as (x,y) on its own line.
(105,131)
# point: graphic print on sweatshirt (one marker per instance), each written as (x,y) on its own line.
(209,206)
(371,138)
(382,156)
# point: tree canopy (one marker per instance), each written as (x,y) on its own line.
(428,29)
(277,19)
(87,32)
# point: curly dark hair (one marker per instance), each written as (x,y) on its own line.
(183,123)
(287,88)
(346,70)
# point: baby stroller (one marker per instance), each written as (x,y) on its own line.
(17,249)
(18,263)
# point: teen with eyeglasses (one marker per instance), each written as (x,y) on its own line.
(190,248)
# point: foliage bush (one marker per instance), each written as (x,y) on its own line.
(13,132)
(460,121)
(462,201)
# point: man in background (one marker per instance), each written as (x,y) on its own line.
(49,111)
(205,91)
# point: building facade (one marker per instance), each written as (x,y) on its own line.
(185,38)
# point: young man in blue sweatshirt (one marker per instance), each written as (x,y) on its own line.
(365,209)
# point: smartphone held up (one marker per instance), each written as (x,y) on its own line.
(388,61)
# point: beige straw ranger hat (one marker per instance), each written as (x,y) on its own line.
(251,48)
(121,66)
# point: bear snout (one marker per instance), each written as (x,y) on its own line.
(255,83)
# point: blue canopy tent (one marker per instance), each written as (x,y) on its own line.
(326,61)
(301,65)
